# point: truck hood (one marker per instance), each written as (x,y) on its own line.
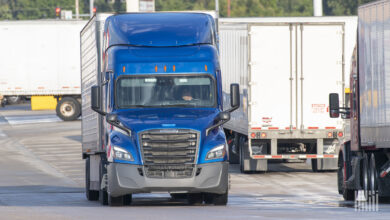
(143,119)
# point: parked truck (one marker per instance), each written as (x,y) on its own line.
(286,68)
(364,158)
(152,108)
(42,62)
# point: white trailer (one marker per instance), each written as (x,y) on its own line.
(286,68)
(42,58)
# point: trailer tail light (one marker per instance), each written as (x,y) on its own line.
(253,135)
(263,135)
(330,134)
(340,134)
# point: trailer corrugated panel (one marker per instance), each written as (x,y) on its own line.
(234,67)
(41,58)
(91,41)
(374,74)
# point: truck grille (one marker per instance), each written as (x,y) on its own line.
(169,153)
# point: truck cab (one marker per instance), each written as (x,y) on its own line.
(160,101)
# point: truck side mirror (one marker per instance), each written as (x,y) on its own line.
(224,116)
(234,96)
(334,106)
(95,100)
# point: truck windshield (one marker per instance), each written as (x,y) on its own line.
(165,91)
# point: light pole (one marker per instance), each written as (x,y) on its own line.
(77,9)
(90,8)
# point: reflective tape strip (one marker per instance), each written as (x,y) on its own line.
(295,156)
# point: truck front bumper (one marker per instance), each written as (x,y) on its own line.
(125,179)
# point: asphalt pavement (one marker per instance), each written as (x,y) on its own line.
(42,177)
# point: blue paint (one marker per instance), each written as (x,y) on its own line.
(161,44)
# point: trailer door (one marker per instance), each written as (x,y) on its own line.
(293,68)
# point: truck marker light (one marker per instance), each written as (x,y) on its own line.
(340,134)
(205,67)
(263,135)
(124,69)
(253,135)
(174,68)
(155,68)
(330,134)
(165,68)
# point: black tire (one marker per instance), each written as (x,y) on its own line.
(314,165)
(115,201)
(68,109)
(92,195)
(365,175)
(103,195)
(178,195)
(127,199)
(348,194)
(13,100)
(241,145)
(195,198)
(216,199)
(234,158)
(373,178)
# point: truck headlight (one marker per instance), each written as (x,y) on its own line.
(122,154)
(216,153)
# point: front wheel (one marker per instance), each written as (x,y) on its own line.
(68,109)
(92,195)
(217,199)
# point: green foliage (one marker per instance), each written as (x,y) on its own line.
(343,7)
(41,9)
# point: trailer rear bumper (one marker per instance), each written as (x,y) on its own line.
(125,179)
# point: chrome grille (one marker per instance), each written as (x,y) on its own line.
(169,153)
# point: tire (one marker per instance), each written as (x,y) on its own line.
(241,145)
(195,198)
(348,194)
(103,195)
(314,165)
(12,100)
(373,178)
(217,199)
(92,195)
(234,158)
(178,195)
(115,201)
(68,109)
(365,175)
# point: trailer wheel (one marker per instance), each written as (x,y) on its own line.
(314,165)
(216,199)
(68,109)
(348,194)
(92,195)
(365,176)
(103,195)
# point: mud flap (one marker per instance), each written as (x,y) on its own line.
(249,164)
(326,163)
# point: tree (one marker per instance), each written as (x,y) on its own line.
(343,7)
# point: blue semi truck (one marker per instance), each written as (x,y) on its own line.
(152,108)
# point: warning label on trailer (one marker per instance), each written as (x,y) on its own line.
(318,108)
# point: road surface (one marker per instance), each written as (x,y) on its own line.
(42,177)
